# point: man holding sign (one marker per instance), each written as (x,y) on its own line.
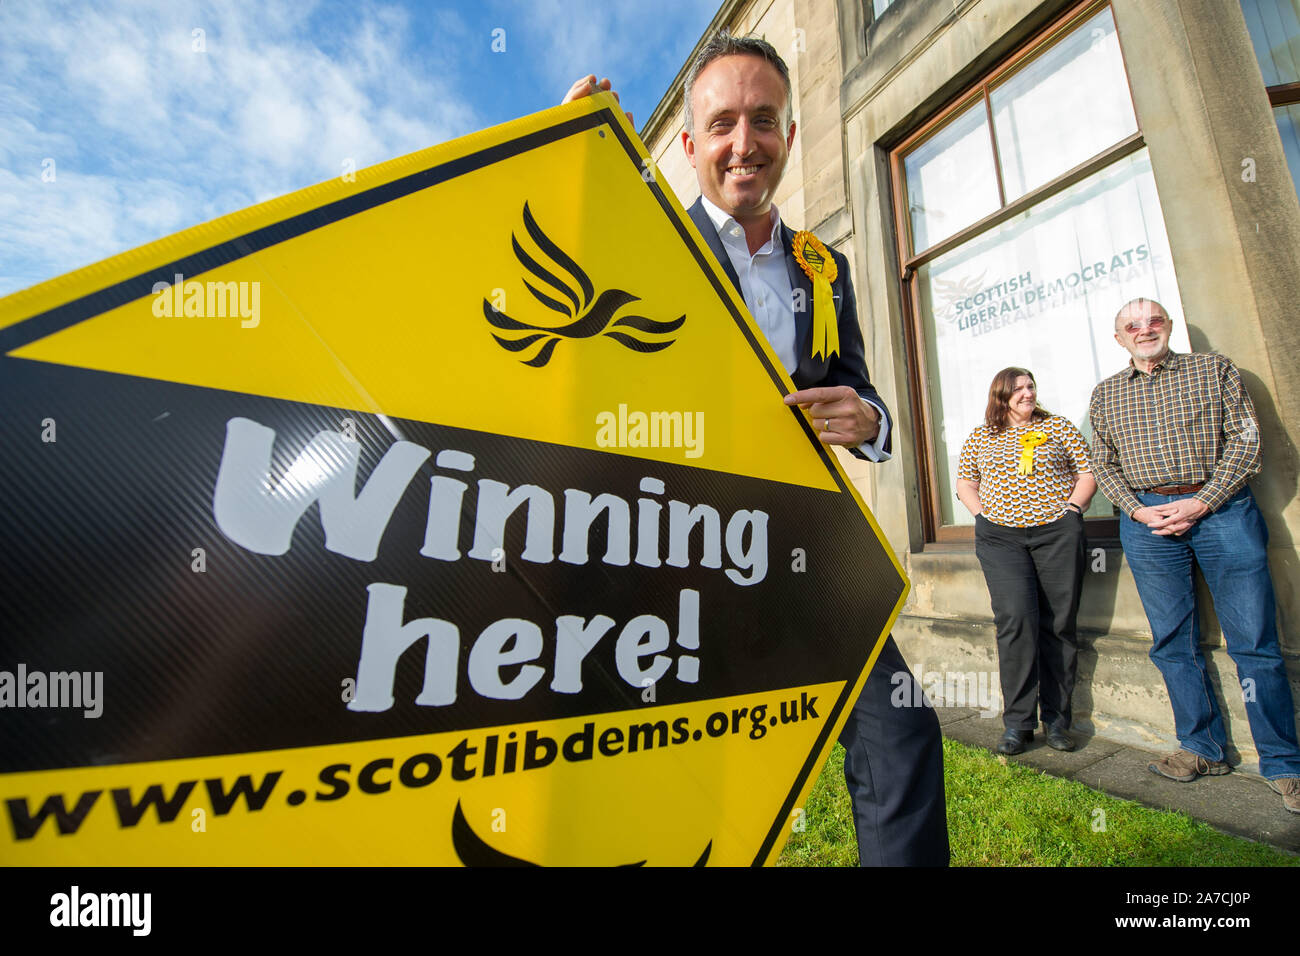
(739,130)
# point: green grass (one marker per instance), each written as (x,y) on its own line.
(1007,814)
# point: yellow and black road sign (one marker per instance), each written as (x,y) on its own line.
(451,514)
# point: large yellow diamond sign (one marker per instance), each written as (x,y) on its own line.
(447,515)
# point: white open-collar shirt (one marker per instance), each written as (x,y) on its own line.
(765,287)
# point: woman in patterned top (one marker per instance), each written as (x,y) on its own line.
(1024,475)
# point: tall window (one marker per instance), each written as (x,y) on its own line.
(1028,215)
(1275,33)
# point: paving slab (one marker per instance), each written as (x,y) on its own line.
(949,715)
(972,728)
(1060,763)
(985,732)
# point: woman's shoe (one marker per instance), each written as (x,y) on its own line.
(1059,740)
(1014,741)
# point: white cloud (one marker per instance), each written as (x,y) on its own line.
(150,136)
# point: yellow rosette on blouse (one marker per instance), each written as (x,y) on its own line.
(819,265)
(1028,442)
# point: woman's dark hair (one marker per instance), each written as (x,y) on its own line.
(998,412)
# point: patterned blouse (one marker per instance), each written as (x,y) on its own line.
(1024,501)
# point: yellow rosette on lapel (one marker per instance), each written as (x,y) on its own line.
(1028,442)
(818,264)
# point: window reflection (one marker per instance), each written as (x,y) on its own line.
(951,180)
(1288,125)
(1063,108)
(1274,27)
(1041,291)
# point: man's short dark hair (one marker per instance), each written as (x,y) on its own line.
(723,44)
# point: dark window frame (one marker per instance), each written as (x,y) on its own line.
(1284,94)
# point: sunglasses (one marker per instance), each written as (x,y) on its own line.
(1156,322)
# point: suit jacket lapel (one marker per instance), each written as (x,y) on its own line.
(710,234)
(803,303)
(807,369)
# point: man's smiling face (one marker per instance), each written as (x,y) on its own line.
(739,147)
(1143,329)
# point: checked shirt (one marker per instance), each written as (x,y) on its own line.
(1189,421)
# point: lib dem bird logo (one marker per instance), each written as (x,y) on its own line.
(474,851)
(588,318)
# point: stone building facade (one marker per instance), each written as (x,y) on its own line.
(1002,175)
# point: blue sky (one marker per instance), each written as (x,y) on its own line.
(115,130)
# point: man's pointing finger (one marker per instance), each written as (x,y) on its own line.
(810,396)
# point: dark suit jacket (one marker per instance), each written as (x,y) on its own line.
(846,367)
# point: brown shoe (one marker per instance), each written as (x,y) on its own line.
(1289,787)
(1185,766)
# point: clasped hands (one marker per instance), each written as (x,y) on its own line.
(839,414)
(1173,517)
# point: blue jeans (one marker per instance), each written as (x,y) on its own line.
(1230,547)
